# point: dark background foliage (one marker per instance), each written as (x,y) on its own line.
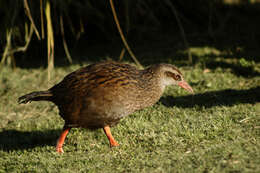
(231,26)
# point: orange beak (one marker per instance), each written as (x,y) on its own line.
(186,86)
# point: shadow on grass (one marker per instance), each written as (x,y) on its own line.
(228,97)
(19,140)
(236,69)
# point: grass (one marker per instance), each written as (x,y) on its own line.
(216,130)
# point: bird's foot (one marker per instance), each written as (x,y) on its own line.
(59,150)
(113,143)
(111,139)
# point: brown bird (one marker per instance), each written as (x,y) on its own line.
(99,95)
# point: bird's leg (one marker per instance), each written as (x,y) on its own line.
(111,139)
(62,139)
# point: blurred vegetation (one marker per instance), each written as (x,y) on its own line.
(34,30)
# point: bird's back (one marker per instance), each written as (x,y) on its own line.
(100,94)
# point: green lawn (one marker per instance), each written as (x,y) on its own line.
(216,130)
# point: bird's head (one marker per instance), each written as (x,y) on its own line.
(170,75)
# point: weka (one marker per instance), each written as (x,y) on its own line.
(99,95)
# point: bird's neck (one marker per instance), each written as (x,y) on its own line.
(151,86)
(154,78)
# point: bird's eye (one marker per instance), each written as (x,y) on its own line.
(177,77)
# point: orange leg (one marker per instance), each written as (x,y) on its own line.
(111,139)
(61,140)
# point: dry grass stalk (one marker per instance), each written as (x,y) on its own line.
(27,41)
(28,13)
(122,53)
(7,47)
(186,43)
(122,35)
(50,39)
(64,40)
(42,22)
(9,52)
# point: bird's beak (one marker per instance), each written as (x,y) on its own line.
(186,86)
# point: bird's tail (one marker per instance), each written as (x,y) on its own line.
(35,96)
